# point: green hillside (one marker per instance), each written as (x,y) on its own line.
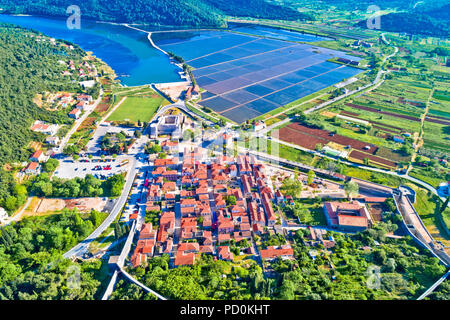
(26,68)
(161,12)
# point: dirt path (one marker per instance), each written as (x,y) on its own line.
(418,138)
(112,110)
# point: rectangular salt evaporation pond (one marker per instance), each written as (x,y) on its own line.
(247,76)
(281,34)
(195,48)
(241,114)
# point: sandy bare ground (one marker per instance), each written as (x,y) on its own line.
(38,100)
(49,206)
(173,91)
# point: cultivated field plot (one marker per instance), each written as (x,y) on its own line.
(310,137)
(246,76)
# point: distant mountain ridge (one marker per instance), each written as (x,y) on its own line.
(434,22)
(159,12)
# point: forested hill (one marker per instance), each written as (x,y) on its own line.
(160,12)
(26,68)
(414,23)
(424,20)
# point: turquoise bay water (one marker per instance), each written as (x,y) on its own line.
(127,51)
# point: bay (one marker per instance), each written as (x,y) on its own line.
(125,50)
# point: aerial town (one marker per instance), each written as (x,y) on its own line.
(264,160)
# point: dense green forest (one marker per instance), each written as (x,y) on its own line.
(204,280)
(161,12)
(397,269)
(429,18)
(89,186)
(413,23)
(27,67)
(31,263)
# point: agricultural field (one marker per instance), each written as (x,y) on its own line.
(284,152)
(139,105)
(315,139)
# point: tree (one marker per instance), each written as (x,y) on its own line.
(20,192)
(389,202)
(51,165)
(118,233)
(230,200)
(71,150)
(10,203)
(152,148)
(138,134)
(351,189)
(311,176)
(406,149)
(297,209)
(96,218)
(115,184)
(291,187)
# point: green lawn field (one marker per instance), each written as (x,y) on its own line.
(137,108)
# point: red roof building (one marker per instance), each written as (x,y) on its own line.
(224,253)
(352,216)
(270,214)
(273,252)
(138,259)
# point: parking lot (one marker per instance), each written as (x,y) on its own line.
(69,169)
(93,146)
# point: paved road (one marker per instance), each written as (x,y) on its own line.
(80,249)
(18,215)
(79,121)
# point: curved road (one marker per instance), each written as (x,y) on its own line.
(82,247)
